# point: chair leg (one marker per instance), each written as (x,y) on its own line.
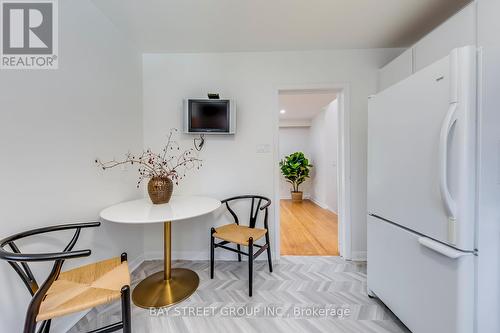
(29,327)
(212,253)
(126,315)
(239,249)
(47,326)
(30,320)
(269,253)
(250,265)
(44,327)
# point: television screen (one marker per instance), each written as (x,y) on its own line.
(208,115)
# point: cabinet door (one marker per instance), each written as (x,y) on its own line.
(459,30)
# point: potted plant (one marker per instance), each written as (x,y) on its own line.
(295,168)
(161,169)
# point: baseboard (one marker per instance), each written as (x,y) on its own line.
(306,196)
(359,256)
(333,211)
(222,255)
(134,264)
(322,205)
(319,203)
(177,255)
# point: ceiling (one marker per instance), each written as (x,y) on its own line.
(274,25)
(303,105)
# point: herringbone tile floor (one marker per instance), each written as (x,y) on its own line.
(303,294)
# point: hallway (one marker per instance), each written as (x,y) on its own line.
(307,229)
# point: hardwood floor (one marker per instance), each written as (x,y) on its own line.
(307,229)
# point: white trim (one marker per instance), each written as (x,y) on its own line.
(135,263)
(179,255)
(333,211)
(319,203)
(222,255)
(305,196)
(359,256)
(344,167)
(275,223)
(344,173)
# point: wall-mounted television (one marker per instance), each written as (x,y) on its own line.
(209,116)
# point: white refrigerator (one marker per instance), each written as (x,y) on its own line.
(422,143)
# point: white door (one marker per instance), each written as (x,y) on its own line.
(421,141)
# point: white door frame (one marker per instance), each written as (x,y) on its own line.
(343,170)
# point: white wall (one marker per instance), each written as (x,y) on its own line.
(489,168)
(232,165)
(53,124)
(291,140)
(324,140)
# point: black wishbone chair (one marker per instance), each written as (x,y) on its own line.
(243,235)
(95,284)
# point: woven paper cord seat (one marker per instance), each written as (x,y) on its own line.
(85,287)
(238,234)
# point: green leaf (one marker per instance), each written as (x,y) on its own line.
(295,168)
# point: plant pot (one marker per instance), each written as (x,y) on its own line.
(297,196)
(160,189)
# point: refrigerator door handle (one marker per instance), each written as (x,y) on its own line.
(448,122)
(442,249)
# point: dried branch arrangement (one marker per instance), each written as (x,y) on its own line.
(170,163)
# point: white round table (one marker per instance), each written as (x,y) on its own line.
(171,285)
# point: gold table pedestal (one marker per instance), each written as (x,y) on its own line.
(168,287)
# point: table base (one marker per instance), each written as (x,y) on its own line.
(156,292)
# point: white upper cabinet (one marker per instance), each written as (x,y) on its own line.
(459,30)
(397,70)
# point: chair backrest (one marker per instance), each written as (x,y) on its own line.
(258,203)
(19,262)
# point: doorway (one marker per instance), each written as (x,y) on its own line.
(312,121)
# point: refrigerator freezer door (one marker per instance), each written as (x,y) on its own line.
(421,151)
(428,285)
